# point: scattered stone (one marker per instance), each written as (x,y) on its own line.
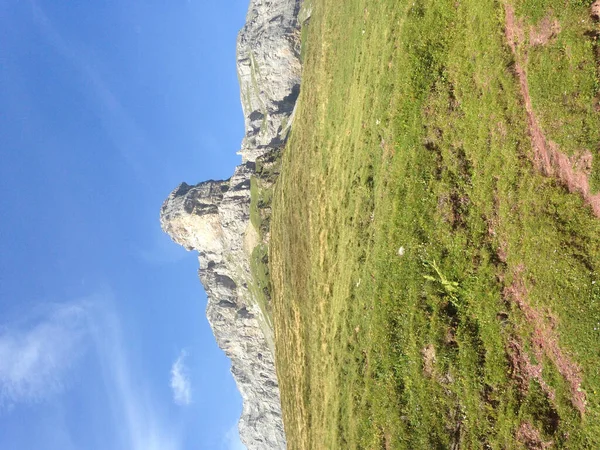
(595,10)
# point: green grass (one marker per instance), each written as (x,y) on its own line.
(255,217)
(260,286)
(563,77)
(261,196)
(261,283)
(411,132)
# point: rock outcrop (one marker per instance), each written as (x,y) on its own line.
(213,217)
(268,64)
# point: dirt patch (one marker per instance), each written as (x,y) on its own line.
(387,441)
(523,370)
(514,30)
(545,342)
(251,239)
(428,354)
(530,437)
(547,29)
(546,154)
(388,149)
(502,251)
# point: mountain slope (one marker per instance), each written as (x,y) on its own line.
(213,217)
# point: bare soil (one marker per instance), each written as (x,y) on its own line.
(544,32)
(547,156)
(428,354)
(523,370)
(545,342)
(530,437)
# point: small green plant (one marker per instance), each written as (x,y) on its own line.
(449,288)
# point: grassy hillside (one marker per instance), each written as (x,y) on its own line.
(434,253)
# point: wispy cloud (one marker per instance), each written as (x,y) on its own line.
(180,381)
(139,423)
(40,355)
(36,354)
(232,440)
(128,138)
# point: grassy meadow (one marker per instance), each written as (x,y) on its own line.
(430,287)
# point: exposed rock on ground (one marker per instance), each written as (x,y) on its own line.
(595,11)
(213,217)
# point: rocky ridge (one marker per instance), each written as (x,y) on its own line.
(213,217)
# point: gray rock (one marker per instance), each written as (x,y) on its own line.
(268,64)
(213,217)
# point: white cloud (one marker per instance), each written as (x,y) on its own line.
(129,139)
(35,355)
(38,357)
(139,423)
(232,439)
(180,381)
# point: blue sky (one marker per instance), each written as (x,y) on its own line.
(105,107)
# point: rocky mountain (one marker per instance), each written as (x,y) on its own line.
(213,217)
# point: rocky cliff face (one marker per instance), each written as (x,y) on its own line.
(213,217)
(268,64)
